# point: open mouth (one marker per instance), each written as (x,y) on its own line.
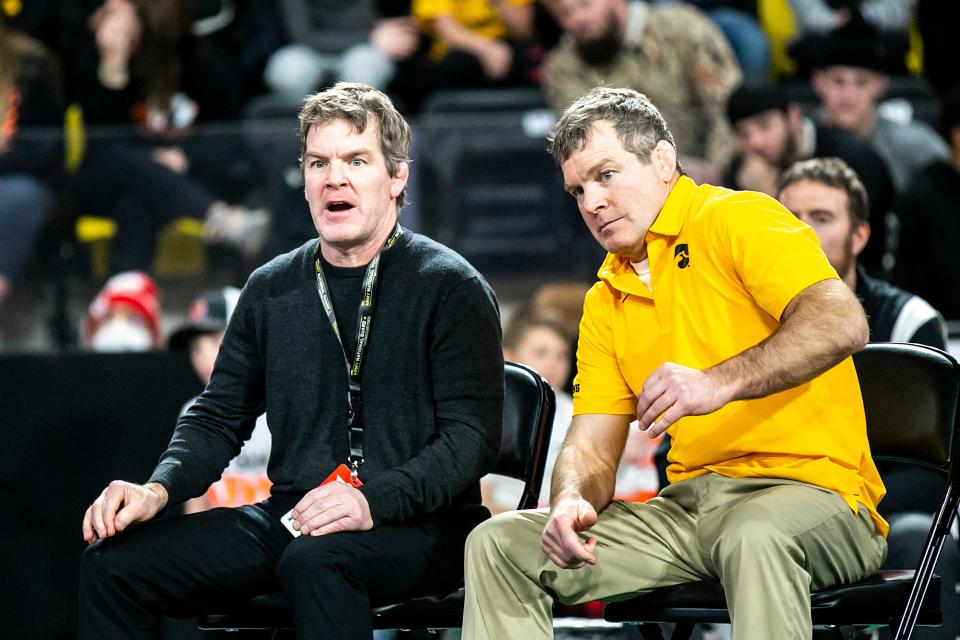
(336,207)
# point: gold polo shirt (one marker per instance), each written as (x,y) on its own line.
(723,266)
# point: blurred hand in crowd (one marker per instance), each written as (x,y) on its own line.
(117,28)
(397,37)
(495,58)
(756,173)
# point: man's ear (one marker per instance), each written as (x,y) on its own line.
(664,160)
(399,181)
(859,237)
(883,83)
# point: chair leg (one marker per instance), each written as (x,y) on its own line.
(649,631)
(682,631)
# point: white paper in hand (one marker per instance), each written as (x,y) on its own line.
(287,521)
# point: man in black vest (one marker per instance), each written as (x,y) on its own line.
(827,194)
(376,354)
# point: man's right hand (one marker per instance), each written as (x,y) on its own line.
(561,540)
(120,505)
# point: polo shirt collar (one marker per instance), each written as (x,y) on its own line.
(674,210)
(617,270)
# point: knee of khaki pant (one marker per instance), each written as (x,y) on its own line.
(486,541)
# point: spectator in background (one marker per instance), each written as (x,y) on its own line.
(671,53)
(826,194)
(134,68)
(826,16)
(29,97)
(466,44)
(928,261)
(319,34)
(394,38)
(886,21)
(851,79)
(563,300)
(125,315)
(772,133)
(737,19)
(245,480)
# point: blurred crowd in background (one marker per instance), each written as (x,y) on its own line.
(159,137)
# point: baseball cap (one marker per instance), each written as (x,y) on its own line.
(134,288)
(209,312)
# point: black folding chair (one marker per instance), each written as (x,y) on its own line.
(528,410)
(910,395)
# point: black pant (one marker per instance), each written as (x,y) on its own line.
(185,565)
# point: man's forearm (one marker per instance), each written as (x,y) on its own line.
(821,326)
(587,465)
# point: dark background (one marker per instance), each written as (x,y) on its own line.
(69,424)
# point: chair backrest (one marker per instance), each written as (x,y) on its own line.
(528,408)
(910,395)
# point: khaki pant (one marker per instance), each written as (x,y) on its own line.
(769,541)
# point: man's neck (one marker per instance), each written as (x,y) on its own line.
(358,255)
(863,130)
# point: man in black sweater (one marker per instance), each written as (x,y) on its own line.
(376,354)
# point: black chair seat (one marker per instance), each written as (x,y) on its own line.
(271,611)
(861,603)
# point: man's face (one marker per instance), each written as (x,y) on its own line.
(351,194)
(619,196)
(767,135)
(849,95)
(826,209)
(594,26)
(546,351)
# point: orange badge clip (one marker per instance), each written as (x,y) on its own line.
(342,474)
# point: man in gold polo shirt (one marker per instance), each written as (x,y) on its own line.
(718,319)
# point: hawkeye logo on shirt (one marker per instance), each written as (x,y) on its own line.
(681,256)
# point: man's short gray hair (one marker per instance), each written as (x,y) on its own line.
(637,122)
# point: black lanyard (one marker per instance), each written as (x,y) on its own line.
(364,322)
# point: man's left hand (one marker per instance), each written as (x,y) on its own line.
(333,507)
(674,391)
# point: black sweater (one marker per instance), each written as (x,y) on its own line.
(432,384)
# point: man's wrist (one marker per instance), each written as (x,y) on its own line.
(160,491)
(565,497)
